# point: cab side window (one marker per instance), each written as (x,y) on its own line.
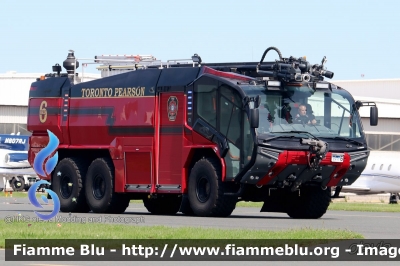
(229,122)
(230,114)
(205,96)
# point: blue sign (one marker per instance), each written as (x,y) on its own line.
(49,167)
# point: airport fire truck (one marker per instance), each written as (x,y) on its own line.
(197,138)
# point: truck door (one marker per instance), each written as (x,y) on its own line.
(220,107)
(170,144)
(230,124)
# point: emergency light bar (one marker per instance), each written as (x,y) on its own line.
(322,85)
(273,83)
(230,75)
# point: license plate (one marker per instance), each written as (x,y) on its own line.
(337,157)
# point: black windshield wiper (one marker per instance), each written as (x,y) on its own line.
(277,137)
(346,139)
(293,131)
(299,132)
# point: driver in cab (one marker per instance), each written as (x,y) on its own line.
(303,118)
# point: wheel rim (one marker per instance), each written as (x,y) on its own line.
(18,184)
(65,188)
(99,187)
(203,189)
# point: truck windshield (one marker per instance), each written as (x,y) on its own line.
(322,113)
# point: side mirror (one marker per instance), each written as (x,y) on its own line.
(257,101)
(373,117)
(254,118)
(358,104)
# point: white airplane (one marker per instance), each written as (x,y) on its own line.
(15,169)
(381,175)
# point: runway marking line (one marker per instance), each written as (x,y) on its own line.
(51,264)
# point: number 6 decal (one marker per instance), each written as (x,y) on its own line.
(43,112)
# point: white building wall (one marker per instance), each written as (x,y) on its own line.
(13,114)
(14,99)
(386,94)
(14,88)
(385,125)
(376,88)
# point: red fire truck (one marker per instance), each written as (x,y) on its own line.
(194,137)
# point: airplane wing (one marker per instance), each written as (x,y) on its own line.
(11,172)
(355,189)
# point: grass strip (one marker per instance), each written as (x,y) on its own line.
(366,207)
(19,195)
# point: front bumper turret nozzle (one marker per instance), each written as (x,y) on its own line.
(318,151)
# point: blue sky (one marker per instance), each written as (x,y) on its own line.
(357,37)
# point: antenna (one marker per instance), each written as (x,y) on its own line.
(324,60)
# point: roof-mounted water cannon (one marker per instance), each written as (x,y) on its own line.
(304,65)
(320,71)
(71,64)
(292,69)
(287,69)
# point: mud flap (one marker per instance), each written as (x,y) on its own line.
(276,202)
(270,206)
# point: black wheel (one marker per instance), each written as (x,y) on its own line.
(68,183)
(99,188)
(394,198)
(335,192)
(163,205)
(312,203)
(18,185)
(206,190)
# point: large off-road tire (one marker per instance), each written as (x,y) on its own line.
(394,198)
(99,188)
(312,203)
(68,183)
(206,190)
(18,185)
(163,205)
